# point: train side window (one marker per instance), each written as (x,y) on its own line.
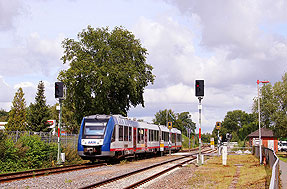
(173,137)
(126,133)
(142,135)
(149,135)
(166,136)
(130,133)
(121,132)
(178,137)
(114,135)
(156,135)
(139,131)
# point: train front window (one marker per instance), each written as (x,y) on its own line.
(95,128)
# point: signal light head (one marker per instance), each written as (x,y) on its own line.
(199,87)
(59,89)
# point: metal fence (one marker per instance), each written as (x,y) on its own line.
(67,139)
(269,157)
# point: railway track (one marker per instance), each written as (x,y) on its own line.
(42,172)
(148,173)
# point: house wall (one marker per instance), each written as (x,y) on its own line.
(265,142)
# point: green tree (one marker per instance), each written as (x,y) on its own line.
(17,115)
(69,122)
(205,137)
(164,116)
(238,123)
(4,115)
(179,120)
(184,121)
(273,107)
(108,72)
(39,113)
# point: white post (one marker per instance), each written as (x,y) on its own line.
(199,133)
(59,159)
(260,150)
(224,155)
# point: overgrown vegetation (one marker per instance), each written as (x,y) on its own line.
(215,175)
(30,152)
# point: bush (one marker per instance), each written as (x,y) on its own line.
(185,142)
(8,156)
(36,153)
(71,155)
(29,152)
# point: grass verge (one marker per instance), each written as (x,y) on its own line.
(282,156)
(243,171)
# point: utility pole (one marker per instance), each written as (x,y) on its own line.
(260,142)
(188,131)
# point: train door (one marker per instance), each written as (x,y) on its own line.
(145,139)
(135,139)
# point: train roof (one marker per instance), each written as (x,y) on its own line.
(98,116)
(120,120)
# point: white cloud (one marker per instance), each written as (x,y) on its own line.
(229,44)
(238,53)
(9,10)
(5,95)
(36,56)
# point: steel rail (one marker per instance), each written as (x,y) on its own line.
(42,172)
(106,181)
(143,181)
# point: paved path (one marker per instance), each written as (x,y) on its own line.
(283,169)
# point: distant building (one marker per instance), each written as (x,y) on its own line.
(268,139)
(2,125)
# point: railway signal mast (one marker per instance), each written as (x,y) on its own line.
(199,92)
(218,126)
(59,93)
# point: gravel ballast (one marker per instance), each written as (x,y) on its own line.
(81,178)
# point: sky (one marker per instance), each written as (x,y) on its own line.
(229,44)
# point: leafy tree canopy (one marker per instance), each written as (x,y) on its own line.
(238,123)
(107,74)
(17,115)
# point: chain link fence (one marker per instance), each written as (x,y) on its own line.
(67,139)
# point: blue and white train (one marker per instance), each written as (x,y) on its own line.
(105,136)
